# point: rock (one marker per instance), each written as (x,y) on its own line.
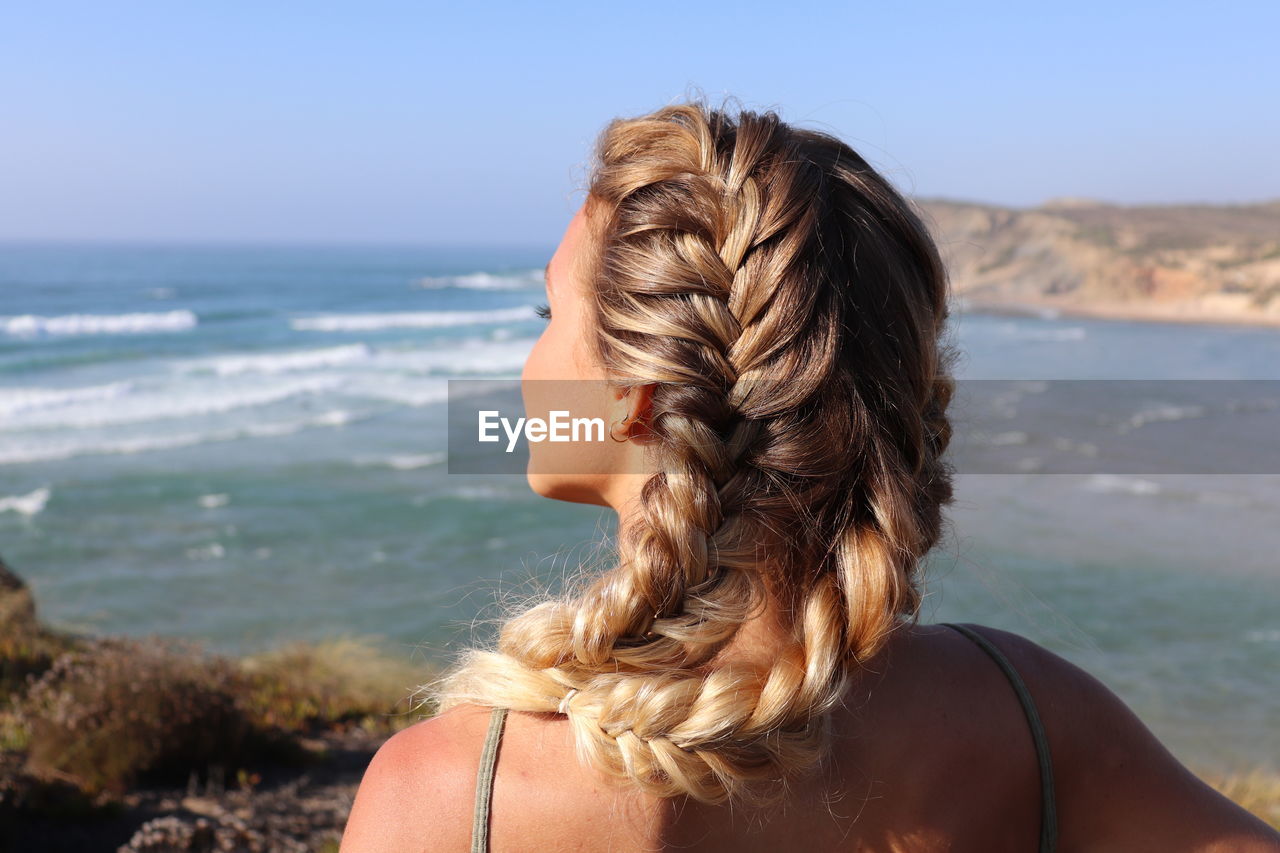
(203,806)
(177,834)
(17,606)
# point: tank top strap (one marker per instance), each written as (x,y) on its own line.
(484,781)
(1048,799)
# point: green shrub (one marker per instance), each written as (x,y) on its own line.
(104,716)
(344,680)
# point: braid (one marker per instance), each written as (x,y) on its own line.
(797,458)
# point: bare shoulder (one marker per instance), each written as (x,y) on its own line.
(418,791)
(1118,787)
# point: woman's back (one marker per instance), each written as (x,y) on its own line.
(932,751)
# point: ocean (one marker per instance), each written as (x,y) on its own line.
(246,446)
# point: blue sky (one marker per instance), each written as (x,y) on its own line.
(472,123)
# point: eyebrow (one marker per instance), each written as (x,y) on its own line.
(546,274)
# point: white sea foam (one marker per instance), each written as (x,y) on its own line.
(411,320)
(139,323)
(413,378)
(169,402)
(333,417)
(468,356)
(402,462)
(494,354)
(404,390)
(1004,439)
(480,493)
(1084,448)
(1034,333)
(483,281)
(214,501)
(413,462)
(1115,484)
(16,452)
(278,362)
(1157,412)
(27,505)
(212,551)
(19,451)
(15,400)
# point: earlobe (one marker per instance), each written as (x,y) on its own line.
(621,428)
(637,411)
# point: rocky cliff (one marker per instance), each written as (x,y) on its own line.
(1080,256)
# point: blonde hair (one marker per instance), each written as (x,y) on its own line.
(787,303)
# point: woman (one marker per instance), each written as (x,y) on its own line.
(759,316)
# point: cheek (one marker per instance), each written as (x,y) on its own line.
(574,471)
(562,351)
(536,364)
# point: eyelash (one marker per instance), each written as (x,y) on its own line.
(543,311)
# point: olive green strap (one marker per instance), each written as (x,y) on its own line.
(484,781)
(1048,800)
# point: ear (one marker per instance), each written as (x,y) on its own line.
(635,405)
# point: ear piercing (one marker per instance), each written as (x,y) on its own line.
(622,424)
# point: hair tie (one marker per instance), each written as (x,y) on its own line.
(564,703)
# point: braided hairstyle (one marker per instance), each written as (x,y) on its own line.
(787,304)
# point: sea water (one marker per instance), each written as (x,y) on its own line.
(246,446)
